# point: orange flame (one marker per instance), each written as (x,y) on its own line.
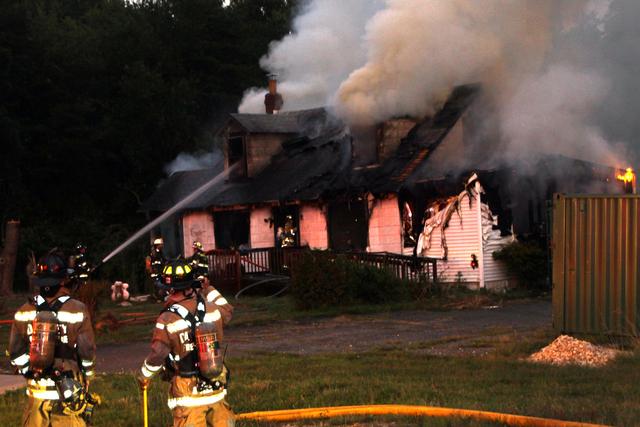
(627,177)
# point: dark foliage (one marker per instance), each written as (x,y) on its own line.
(321,279)
(527,261)
(97,96)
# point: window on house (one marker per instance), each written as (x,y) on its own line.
(236,155)
(236,149)
(231,229)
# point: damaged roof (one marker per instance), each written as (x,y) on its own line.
(316,161)
(288,122)
(411,160)
(309,164)
(303,170)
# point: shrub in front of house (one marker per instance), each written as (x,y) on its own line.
(527,261)
(322,279)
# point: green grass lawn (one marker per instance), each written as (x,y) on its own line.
(501,383)
(254,310)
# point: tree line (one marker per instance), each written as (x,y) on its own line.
(96,96)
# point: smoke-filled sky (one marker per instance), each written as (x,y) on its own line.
(562,75)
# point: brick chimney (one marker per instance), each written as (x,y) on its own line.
(273,100)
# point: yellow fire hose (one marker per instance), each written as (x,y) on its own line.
(145,414)
(408,410)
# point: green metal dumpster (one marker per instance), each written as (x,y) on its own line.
(595,278)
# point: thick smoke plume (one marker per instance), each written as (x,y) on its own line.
(324,47)
(561,75)
(187,162)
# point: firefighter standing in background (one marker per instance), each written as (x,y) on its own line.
(156,261)
(287,234)
(186,342)
(80,265)
(199,261)
(200,264)
(52,345)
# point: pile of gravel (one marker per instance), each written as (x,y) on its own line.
(566,350)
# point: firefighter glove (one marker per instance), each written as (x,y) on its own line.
(143,381)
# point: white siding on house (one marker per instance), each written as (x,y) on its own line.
(469,231)
(462,239)
(197,226)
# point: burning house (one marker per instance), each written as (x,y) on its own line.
(423,187)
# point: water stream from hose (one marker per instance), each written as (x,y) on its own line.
(196,193)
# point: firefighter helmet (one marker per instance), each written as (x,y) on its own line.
(81,248)
(197,245)
(158,242)
(72,396)
(178,275)
(51,270)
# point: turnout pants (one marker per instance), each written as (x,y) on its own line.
(43,413)
(216,415)
(193,409)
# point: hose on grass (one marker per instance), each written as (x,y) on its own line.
(267,280)
(408,410)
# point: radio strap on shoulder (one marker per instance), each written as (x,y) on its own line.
(42,304)
(186,365)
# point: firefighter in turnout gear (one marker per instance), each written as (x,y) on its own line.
(199,261)
(200,264)
(80,266)
(186,344)
(156,260)
(52,345)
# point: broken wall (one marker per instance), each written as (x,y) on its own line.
(461,239)
(496,275)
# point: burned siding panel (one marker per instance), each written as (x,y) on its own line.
(197,226)
(313,227)
(496,275)
(462,238)
(596,278)
(261,227)
(385,228)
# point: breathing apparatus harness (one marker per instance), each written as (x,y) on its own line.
(204,361)
(48,343)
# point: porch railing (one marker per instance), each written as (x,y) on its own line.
(227,267)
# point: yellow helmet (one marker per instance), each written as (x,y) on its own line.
(178,275)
